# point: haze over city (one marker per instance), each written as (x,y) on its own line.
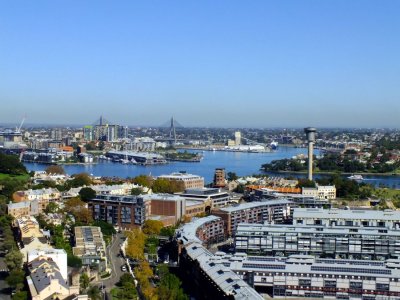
(224,63)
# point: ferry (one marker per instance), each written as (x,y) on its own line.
(356,177)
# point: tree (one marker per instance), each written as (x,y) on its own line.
(10,164)
(127,291)
(135,245)
(303,182)
(13,259)
(143,180)
(127,287)
(11,185)
(136,191)
(170,288)
(78,180)
(107,229)
(20,295)
(77,208)
(87,194)
(52,207)
(170,285)
(152,227)
(74,261)
(94,293)
(168,231)
(162,185)
(16,278)
(55,169)
(84,281)
(232,176)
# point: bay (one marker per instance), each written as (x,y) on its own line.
(242,163)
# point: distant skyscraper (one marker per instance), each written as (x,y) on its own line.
(88,133)
(238,138)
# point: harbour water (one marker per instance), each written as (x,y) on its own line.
(242,163)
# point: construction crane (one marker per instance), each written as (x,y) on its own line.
(18,129)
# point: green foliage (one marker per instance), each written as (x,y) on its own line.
(10,185)
(285,165)
(162,185)
(168,231)
(10,164)
(106,228)
(346,188)
(13,259)
(304,182)
(87,193)
(143,180)
(84,281)
(74,261)
(44,184)
(232,176)
(79,180)
(152,227)
(94,293)
(5,227)
(136,191)
(240,188)
(170,286)
(20,295)
(52,207)
(16,278)
(55,169)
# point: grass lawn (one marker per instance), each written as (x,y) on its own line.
(8,176)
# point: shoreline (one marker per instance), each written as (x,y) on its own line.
(331,173)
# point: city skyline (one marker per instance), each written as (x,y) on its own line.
(225,64)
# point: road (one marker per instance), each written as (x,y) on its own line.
(5,291)
(115,260)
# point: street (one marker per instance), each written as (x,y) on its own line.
(116,261)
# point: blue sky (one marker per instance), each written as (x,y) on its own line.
(208,63)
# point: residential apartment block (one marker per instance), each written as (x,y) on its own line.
(272,211)
(327,241)
(209,279)
(205,230)
(349,218)
(299,276)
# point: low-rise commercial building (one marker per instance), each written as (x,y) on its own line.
(272,211)
(211,197)
(188,181)
(326,241)
(320,192)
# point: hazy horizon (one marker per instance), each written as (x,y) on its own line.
(262,64)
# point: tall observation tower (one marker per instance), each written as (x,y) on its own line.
(310,132)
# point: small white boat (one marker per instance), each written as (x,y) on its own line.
(356,177)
